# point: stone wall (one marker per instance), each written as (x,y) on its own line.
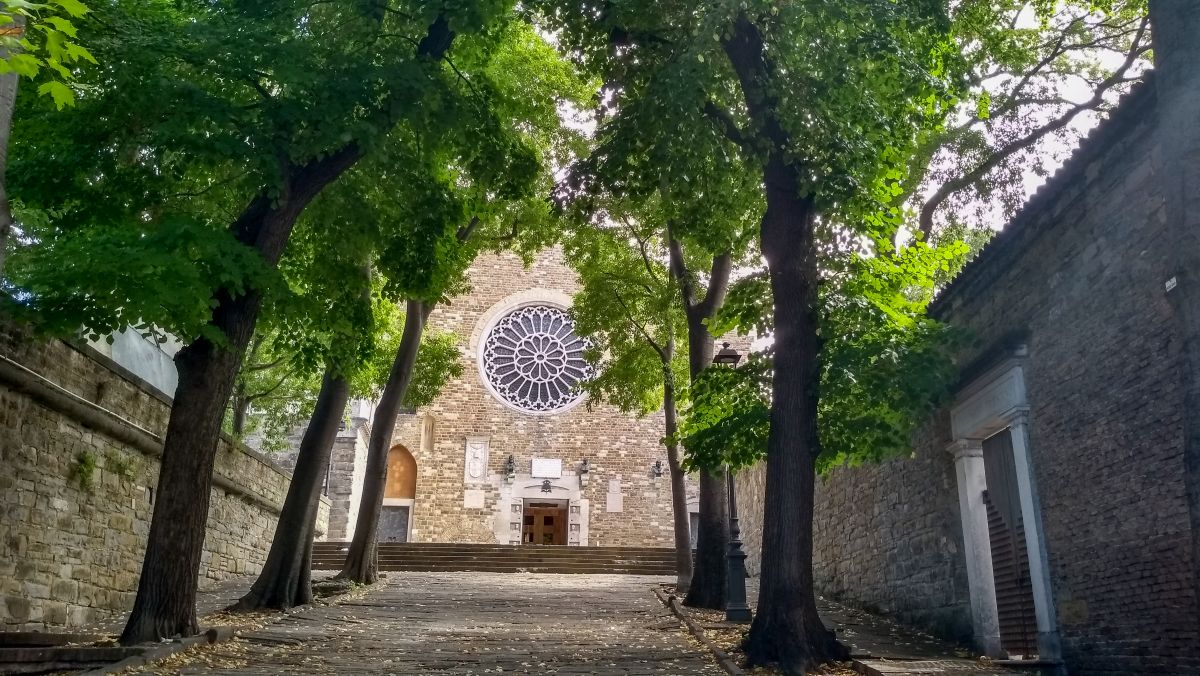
(886,537)
(622,504)
(1081,279)
(72,539)
(347,466)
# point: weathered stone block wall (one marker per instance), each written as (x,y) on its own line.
(1083,274)
(620,448)
(71,547)
(886,537)
(1079,277)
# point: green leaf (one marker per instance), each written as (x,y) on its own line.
(73,7)
(61,93)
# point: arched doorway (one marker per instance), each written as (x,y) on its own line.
(398,496)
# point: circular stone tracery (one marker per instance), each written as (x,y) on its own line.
(534,361)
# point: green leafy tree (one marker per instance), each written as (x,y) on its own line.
(525,80)
(706,205)
(629,311)
(825,101)
(1034,70)
(885,365)
(203,139)
(37,41)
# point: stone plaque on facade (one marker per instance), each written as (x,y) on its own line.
(547,468)
(476,463)
(615,502)
(473,499)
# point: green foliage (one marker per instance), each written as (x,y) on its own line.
(134,275)
(128,467)
(438,361)
(201,108)
(83,470)
(278,384)
(38,39)
(1029,66)
(728,415)
(628,308)
(884,364)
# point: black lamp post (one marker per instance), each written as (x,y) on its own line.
(736,609)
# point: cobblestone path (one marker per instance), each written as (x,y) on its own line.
(471,623)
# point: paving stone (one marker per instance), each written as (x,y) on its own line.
(472,623)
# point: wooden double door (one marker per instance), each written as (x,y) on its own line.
(545,523)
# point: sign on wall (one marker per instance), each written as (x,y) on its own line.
(547,468)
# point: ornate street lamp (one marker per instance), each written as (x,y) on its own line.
(736,609)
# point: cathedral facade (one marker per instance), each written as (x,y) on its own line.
(510,452)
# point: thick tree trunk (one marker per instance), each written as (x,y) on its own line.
(361,564)
(166,598)
(709,574)
(787,629)
(1175,25)
(285,580)
(709,577)
(165,602)
(8,101)
(679,510)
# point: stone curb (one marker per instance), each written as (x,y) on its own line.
(154,654)
(721,656)
(212,636)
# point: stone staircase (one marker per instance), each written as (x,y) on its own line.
(430,556)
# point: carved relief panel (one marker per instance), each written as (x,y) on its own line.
(476,460)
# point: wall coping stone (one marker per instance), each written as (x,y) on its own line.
(145,441)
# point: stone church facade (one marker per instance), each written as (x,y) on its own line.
(1049,509)
(509,453)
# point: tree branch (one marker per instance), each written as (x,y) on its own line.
(464,233)
(679,270)
(725,121)
(641,329)
(718,284)
(951,187)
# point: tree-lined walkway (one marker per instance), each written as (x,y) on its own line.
(471,623)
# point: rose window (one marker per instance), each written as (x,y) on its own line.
(533,360)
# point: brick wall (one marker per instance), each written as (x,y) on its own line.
(620,448)
(69,552)
(1079,275)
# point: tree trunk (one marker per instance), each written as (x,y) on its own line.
(1175,25)
(166,598)
(361,564)
(165,605)
(787,629)
(285,580)
(709,577)
(241,408)
(8,101)
(679,510)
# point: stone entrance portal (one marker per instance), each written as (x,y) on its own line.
(395,519)
(544,522)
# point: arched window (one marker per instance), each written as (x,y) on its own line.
(401,474)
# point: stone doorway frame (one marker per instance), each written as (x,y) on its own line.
(404,502)
(510,507)
(991,403)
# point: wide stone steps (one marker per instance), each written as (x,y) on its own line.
(394,556)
